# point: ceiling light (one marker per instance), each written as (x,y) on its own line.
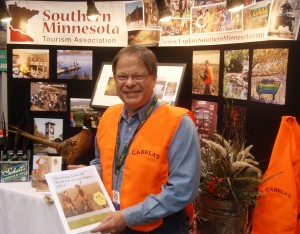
(164,13)
(92,12)
(5,15)
(234,5)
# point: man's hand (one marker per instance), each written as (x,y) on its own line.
(113,223)
(71,167)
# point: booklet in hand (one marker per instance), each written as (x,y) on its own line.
(80,198)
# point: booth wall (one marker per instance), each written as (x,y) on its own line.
(262,120)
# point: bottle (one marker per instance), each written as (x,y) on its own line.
(26,155)
(19,155)
(10,155)
(14,156)
(4,156)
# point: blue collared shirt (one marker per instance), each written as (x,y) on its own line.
(184,171)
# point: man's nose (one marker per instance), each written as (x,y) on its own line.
(129,80)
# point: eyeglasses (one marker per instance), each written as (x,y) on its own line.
(135,78)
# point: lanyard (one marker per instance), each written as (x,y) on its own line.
(119,161)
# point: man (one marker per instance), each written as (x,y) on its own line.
(149,153)
(207,78)
(286,7)
(82,198)
(68,204)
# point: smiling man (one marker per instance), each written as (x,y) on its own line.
(148,152)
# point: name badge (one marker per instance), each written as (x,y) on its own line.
(116,196)
(116,199)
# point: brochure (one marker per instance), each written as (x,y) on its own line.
(41,165)
(80,198)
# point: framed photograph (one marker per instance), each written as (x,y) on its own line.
(49,129)
(134,15)
(167,88)
(206,115)
(46,96)
(79,108)
(203,19)
(30,64)
(284,20)
(74,64)
(205,73)
(236,74)
(146,37)
(268,77)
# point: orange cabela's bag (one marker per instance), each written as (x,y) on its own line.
(277,209)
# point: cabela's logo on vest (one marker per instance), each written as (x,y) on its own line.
(278,190)
(144,152)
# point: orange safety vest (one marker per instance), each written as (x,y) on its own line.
(147,159)
(209,76)
(278,209)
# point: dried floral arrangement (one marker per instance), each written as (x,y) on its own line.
(229,171)
(230,177)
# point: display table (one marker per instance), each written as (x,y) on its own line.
(24,211)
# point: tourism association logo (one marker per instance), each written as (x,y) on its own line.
(19,22)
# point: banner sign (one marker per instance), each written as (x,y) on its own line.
(65,23)
(124,23)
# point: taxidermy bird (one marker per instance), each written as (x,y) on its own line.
(74,150)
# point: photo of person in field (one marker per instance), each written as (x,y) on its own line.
(205,78)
